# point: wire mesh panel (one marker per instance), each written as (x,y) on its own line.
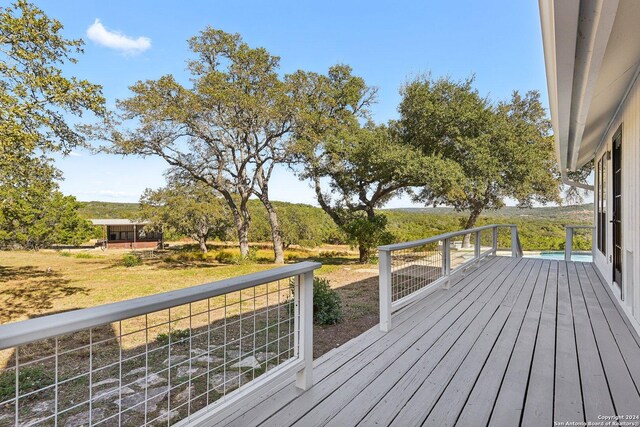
(486,241)
(408,268)
(153,369)
(462,250)
(414,268)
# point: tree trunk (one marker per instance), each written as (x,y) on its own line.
(243,238)
(364,254)
(263,195)
(276,235)
(203,245)
(242,220)
(471,221)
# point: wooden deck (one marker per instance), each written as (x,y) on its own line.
(516,341)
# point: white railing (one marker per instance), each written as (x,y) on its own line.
(570,231)
(180,356)
(411,270)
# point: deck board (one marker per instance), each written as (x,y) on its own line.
(567,405)
(538,406)
(595,390)
(514,341)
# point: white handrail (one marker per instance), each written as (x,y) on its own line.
(423,270)
(421,242)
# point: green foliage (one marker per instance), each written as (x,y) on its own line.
(193,210)
(501,150)
(333,254)
(176,336)
(362,166)
(109,210)
(368,231)
(237,114)
(35,100)
(30,378)
(541,228)
(327,306)
(36,216)
(131,260)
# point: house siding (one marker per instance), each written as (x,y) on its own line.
(629,118)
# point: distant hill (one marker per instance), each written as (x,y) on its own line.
(583,213)
(90,210)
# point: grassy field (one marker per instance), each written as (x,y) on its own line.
(37,283)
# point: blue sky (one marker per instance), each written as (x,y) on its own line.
(385,42)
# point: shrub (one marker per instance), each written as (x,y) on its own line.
(327,306)
(176,335)
(131,260)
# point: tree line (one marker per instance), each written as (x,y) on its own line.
(239,118)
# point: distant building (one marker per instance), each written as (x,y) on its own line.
(127,234)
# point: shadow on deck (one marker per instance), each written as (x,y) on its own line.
(516,341)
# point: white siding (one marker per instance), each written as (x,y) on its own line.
(629,118)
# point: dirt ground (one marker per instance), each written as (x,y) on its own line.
(358,290)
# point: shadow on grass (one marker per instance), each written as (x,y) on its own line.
(203,359)
(35,290)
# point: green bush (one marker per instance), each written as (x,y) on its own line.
(131,260)
(327,305)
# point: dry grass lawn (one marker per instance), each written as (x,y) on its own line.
(38,283)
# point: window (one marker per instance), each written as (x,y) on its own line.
(601,204)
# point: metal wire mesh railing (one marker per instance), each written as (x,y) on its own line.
(187,353)
(409,270)
(414,268)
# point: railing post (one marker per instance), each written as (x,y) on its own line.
(514,241)
(384,268)
(446,262)
(304,285)
(568,245)
(476,249)
(494,241)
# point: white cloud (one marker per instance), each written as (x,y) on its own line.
(75,154)
(115,40)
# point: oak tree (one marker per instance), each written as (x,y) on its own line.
(504,150)
(36,101)
(226,130)
(190,209)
